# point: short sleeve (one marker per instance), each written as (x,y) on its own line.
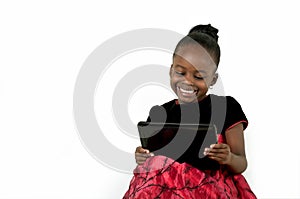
(163,113)
(234,114)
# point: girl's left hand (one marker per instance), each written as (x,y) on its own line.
(219,152)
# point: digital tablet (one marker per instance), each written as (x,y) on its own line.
(183,142)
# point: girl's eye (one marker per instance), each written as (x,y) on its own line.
(199,78)
(179,73)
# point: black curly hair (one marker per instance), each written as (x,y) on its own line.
(207,37)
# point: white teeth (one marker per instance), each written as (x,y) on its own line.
(187,91)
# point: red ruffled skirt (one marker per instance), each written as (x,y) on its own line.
(162,177)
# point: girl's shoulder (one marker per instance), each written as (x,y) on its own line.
(227,100)
(226,111)
(169,105)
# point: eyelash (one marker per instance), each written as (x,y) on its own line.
(182,74)
(198,78)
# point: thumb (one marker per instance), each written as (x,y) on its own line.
(141,150)
(145,151)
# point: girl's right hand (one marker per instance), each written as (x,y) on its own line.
(141,155)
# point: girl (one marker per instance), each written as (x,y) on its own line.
(193,71)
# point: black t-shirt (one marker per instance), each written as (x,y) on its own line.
(222,111)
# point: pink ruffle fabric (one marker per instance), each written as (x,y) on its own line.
(161,177)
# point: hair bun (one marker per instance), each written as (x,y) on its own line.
(206,29)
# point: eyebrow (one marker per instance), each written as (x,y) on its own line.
(198,71)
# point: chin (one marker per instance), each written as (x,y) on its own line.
(185,101)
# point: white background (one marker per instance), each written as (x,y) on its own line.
(43,45)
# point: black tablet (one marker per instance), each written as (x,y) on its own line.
(184,142)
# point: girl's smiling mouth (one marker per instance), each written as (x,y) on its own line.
(187,92)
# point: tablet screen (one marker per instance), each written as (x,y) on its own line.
(178,141)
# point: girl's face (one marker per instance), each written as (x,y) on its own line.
(191,74)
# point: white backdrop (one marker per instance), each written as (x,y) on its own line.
(44,44)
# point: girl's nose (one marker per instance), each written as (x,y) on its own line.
(188,79)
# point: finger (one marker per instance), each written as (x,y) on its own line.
(216,158)
(219,157)
(145,151)
(140,160)
(142,150)
(217,151)
(206,151)
(219,146)
(144,155)
(212,151)
(138,149)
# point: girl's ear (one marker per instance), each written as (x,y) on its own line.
(170,71)
(214,80)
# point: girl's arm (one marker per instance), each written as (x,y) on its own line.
(231,154)
(235,139)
